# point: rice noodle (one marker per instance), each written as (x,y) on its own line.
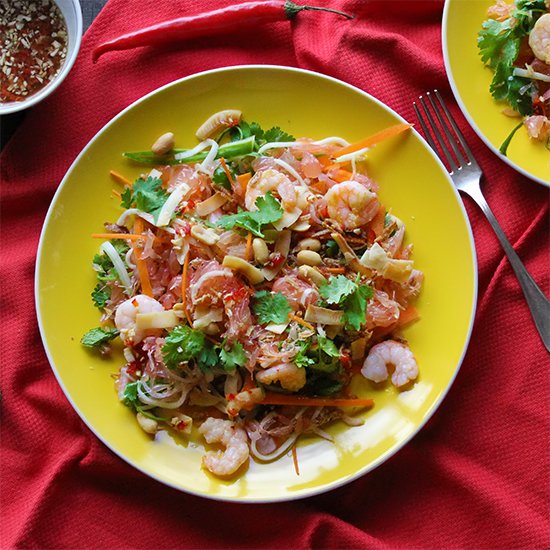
(120,268)
(135,212)
(207,164)
(191,152)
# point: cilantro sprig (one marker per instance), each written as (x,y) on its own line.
(184,344)
(499,44)
(232,357)
(146,195)
(271,307)
(244,130)
(351,296)
(269,211)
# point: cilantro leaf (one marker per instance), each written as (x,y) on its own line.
(336,289)
(234,357)
(269,211)
(98,337)
(147,195)
(355,306)
(301,359)
(271,307)
(103,265)
(220,177)
(131,400)
(185,344)
(328,346)
(100,295)
(276,134)
(351,296)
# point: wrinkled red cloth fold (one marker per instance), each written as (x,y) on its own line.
(477,476)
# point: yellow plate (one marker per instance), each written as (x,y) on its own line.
(470,81)
(413,182)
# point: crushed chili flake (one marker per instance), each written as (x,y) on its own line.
(34,46)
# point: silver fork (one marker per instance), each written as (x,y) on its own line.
(466,174)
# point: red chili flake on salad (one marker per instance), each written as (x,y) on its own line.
(34,47)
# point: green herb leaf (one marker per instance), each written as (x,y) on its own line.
(302,360)
(336,289)
(147,195)
(234,357)
(220,177)
(355,307)
(276,134)
(185,344)
(332,248)
(97,337)
(130,395)
(269,211)
(271,307)
(328,346)
(100,295)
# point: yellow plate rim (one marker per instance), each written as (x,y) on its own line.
(306,492)
(462,105)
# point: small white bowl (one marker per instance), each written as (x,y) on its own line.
(73,18)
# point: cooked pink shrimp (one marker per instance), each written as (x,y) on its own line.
(125,316)
(394,353)
(351,204)
(291,377)
(538,126)
(235,441)
(271,180)
(539,38)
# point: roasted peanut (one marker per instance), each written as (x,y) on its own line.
(164,144)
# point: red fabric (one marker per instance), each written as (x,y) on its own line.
(476,476)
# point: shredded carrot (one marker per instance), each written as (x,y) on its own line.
(119,178)
(126,236)
(375,138)
(341,175)
(116,194)
(243,180)
(141,264)
(324,160)
(248,247)
(184,289)
(298,401)
(336,270)
(300,321)
(227,172)
(295,460)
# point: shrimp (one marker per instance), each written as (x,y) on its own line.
(291,377)
(125,316)
(235,441)
(394,353)
(351,204)
(539,38)
(273,180)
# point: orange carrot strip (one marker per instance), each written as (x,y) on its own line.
(295,460)
(300,321)
(336,270)
(184,289)
(375,138)
(243,179)
(227,172)
(248,247)
(341,175)
(119,178)
(116,194)
(141,264)
(126,236)
(298,401)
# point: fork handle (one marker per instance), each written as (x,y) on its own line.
(536,300)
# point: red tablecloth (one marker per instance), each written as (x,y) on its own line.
(476,476)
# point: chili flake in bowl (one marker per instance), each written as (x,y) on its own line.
(39,43)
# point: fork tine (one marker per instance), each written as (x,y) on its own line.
(470,159)
(445,126)
(438,136)
(425,129)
